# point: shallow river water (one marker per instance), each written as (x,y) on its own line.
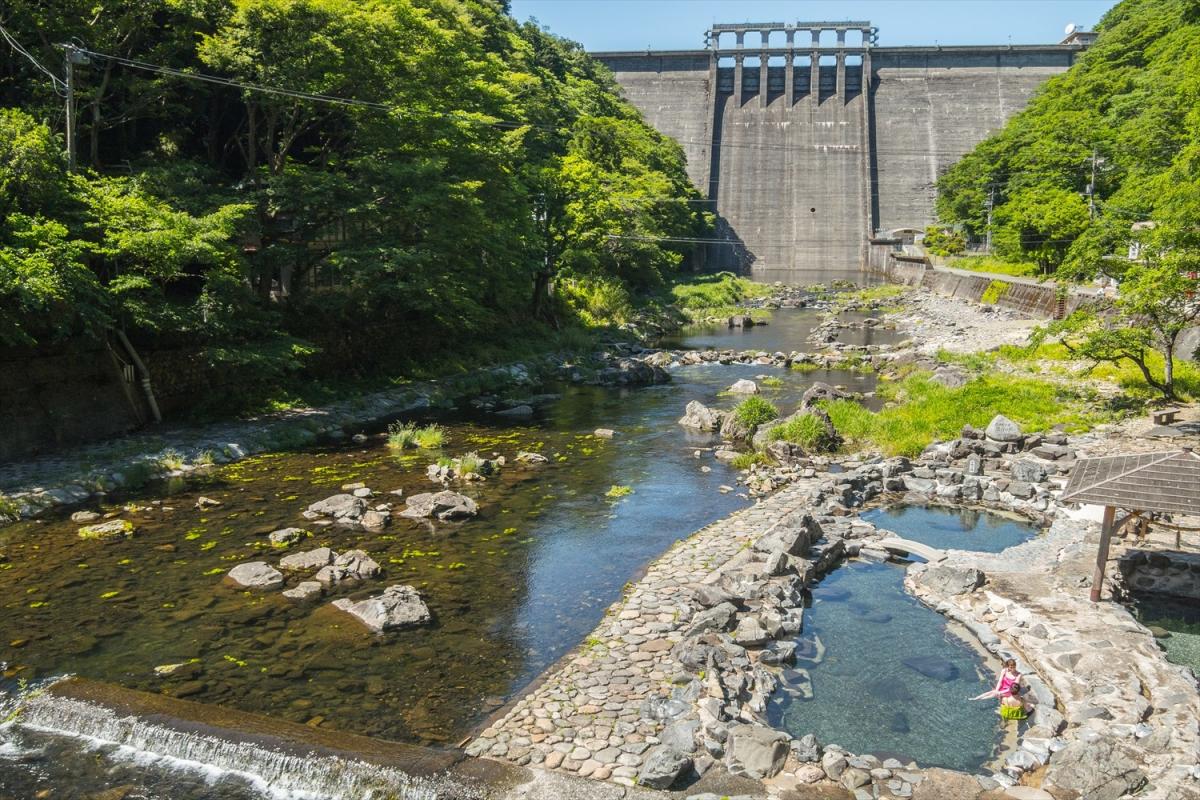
(511,590)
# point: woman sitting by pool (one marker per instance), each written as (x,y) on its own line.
(1008,689)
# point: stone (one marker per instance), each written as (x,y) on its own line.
(444,505)
(718,618)
(108,531)
(357,563)
(805,749)
(531,458)
(1102,769)
(952,580)
(1027,470)
(285,536)
(1021,489)
(743,386)
(256,575)
(932,667)
(204,503)
(1003,429)
(345,509)
(680,735)
(756,751)
(820,392)
(84,517)
(750,632)
(662,767)
(700,417)
(304,590)
(522,410)
(854,777)
(398,607)
(604,433)
(309,559)
(834,764)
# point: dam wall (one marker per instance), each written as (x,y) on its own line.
(806,151)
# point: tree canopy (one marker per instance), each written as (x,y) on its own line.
(461,166)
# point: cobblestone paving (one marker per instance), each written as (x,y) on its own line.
(586,717)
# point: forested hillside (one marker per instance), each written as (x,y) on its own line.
(455,165)
(1100,177)
(1133,101)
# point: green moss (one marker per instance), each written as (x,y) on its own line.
(107,530)
(993,293)
(754,411)
(618,491)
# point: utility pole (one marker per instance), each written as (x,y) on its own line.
(72,55)
(69,66)
(1092,188)
(991,202)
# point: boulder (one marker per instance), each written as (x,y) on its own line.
(104,531)
(1003,429)
(756,751)
(256,575)
(806,750)
(353,565)
(304,590)
(819,392)
(718,618)
(750,632)
(443,505)
(1104,769)
(344,509)
(84,517)
(531,458)
(398,607)
(309,559)
(662,767)
(1027,470)
(744,386)
(285,536)
(741,321)
(516,411)
(680,735)
(734,429)
(952,580)
(700,417)
(604,433)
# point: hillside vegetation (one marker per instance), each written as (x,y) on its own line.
(475,175)
(1129,111)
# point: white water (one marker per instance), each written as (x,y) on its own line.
(273,774)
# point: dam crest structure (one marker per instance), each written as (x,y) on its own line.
(813,146)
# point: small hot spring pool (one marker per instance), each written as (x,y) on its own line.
(1175,622)
(952,528)
(886,676)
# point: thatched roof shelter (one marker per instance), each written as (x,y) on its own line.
(1140,483)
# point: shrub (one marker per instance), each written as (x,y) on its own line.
(597,301)
(754,411)
(805,430)
(468,463)
(430,436)
(402,435)
(944,241)
(716,291)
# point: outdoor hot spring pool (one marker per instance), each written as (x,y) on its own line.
(952,528)
(885,674)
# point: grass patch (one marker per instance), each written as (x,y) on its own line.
(771,382)
(716,292)
(993,293)
(926,411)
(995,265)
(9,507)
(805,366)
(871,294)
(805,430)
(747,460)
(171,460)
(468,464)
(403,435)
(754,411)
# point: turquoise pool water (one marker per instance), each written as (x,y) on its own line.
(952,528)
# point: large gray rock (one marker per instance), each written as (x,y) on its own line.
(662,767)
(443,505)
(702,418)
(353,565)
(345,509)
(952,580)
(1028,470)
(820,392)
(718,618)
(286,536)
(1003,429)
(756,751)
(398,607)
(680,735)
(256,575)
(743,386)
(309,559)
(1101,770)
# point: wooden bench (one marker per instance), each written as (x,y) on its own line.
(1164,416)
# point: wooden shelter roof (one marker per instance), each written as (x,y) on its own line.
(1165,481)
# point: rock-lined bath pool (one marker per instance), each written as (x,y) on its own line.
(948,528)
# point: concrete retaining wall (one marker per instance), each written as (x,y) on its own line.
(1162,572)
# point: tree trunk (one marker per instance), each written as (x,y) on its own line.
(1169,370)
(251,139)
(94,139)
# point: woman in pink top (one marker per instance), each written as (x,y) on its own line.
(1008,688)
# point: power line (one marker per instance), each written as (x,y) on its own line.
(59,85)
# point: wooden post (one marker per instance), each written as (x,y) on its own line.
(1106,531)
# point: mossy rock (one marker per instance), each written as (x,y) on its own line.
(112,529)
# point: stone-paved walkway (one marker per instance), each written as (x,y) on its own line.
(586,716)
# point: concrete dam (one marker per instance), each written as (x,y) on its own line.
(809,141)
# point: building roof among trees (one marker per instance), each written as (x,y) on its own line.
(1166,481)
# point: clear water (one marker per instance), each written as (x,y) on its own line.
(1180,618)
(866,698)
(786,331)
(952,528)
(511,590)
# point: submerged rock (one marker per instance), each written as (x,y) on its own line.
(932,667)
(345,509)
(353,565)
(443,505)
(84,517)
(398,607)
(256,575)
(531,458)
(304,590)
(113,529)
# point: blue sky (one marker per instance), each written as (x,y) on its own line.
(680,24)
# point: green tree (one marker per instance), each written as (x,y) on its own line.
(1041,224)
